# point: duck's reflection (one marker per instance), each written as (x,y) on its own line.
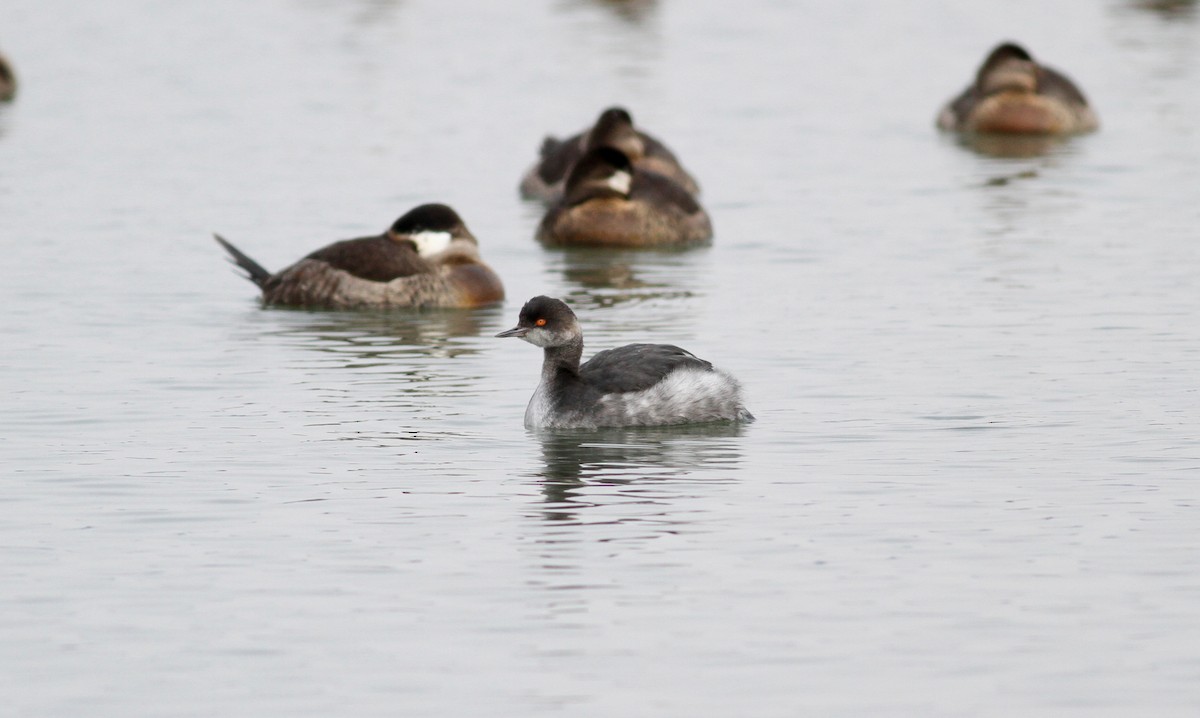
(588,468)
(380,376)
(1011,146)
(407,350)
(632,11)
(606,277)
(363,13)
(1015,177)
(1018,192)
(371,13)
(1169,8)
(368,338)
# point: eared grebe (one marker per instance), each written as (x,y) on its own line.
(614,128)
(611,203)
(427,258)
(634,385)
(8,81)
(1014,94)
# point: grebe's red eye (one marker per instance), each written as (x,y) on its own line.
(540,322)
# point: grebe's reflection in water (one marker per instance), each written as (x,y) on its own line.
(633,471)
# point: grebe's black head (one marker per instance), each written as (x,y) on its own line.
(603,171)
(546,322)
(431,228)
(1008,67)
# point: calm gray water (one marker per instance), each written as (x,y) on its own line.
(972,488)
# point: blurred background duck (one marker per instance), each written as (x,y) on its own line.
(609,202)
(8,81)
(427,258)
(1012,93)
(614,128)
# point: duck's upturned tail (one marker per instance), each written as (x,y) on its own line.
(255,271)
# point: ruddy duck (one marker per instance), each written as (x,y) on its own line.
(1014,94)
(611,203)
(614,128)
(8,81)
(633,385)
(427,258)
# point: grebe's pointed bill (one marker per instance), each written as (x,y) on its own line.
(514,332)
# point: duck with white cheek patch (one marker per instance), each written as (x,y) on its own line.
(633,385)
(614,128)
(427,258)
(610,202)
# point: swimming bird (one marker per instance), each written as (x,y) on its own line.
(8,81)
(633,385)
(1013,93)
(427,258)
(614,128)
(609,202)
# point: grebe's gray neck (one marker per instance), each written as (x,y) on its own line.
(564,357)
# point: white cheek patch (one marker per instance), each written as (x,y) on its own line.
(430,243)
(620,182)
